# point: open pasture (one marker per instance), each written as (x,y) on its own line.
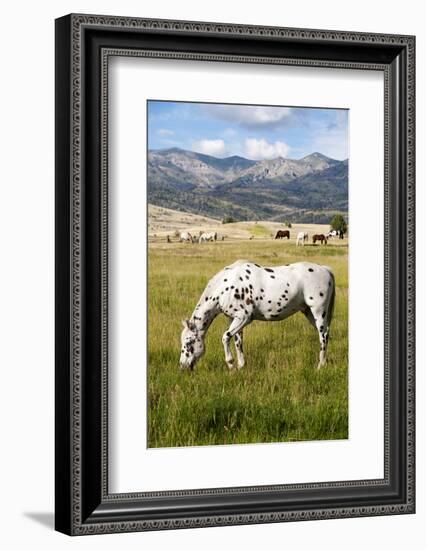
(279,396)
(164,223)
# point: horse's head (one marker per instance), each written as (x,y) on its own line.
(192,345)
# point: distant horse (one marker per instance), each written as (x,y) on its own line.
(282,234)
(320,237)
(335,233)
(302,237)
(185,237)
(245,291)
(206,237)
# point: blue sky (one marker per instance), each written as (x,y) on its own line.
(254,132)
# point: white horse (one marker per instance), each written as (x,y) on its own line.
(302,237)
(205,237)
(335,233)
(245,291)
(185,237)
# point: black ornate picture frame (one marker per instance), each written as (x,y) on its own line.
(84,43)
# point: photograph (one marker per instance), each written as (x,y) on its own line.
(247,296)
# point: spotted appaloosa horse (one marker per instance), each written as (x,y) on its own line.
(245,292)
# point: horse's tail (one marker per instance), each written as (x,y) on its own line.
(330,309)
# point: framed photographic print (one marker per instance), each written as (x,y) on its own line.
(234,274)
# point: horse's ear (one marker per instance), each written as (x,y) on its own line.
(185,323)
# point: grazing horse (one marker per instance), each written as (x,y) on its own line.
(205,237)
(282,234)
(320,237)
(302,237)
(335,233)
(245,292)
(185,237)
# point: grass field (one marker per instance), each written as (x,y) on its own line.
(259,231)
(279,395)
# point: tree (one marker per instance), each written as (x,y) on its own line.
(338,223)
(228,219)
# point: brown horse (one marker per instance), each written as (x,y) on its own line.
(282,234)
(322,238)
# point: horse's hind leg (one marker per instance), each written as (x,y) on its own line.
(317,316)
(238,340)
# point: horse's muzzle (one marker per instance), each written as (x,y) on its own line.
(187,366)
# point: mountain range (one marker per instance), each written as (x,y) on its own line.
(312,188)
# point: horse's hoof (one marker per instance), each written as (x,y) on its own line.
(230,364)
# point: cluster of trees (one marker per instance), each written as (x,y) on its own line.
(338,223)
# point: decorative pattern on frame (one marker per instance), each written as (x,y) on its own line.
(80,21)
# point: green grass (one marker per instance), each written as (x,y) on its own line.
(259,231)
(279,395)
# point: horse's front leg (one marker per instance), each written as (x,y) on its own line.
(238,340)
(227,348)
(236,326)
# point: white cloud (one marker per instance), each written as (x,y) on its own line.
(164,132)
(215,147)
(260,149)
(251,116)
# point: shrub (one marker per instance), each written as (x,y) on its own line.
(338,223)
